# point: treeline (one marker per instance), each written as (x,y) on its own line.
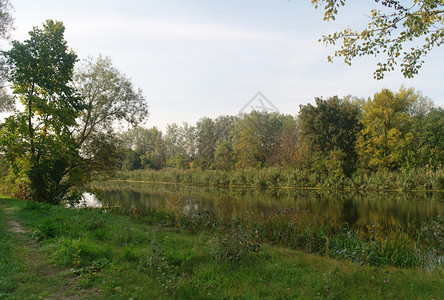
(335,137)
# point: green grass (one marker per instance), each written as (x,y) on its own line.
(10,266)
(102,255)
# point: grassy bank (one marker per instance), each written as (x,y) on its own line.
(96,254)
(414,179)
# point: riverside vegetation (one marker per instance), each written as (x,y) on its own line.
(415,179)
(200,255)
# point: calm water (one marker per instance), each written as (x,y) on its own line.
(343,207)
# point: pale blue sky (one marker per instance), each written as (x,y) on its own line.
(208,58)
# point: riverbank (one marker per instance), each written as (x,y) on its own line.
(420,179)
(61,252)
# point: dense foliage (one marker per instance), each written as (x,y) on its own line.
(64,131)
(333,138)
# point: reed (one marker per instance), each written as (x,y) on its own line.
(412,179)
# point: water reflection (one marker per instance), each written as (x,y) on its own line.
(88,200)
(388,209)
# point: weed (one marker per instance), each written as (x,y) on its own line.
(95,222)
(432,233)
(130,254)
(79,252)
(196,220)
(36,206)
(124,236)
(233,245)
(46,230)
(86,275)
(158,264)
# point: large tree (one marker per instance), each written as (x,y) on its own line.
(399,32)
(386,141)
(108,97)
(37,141)
(64,135)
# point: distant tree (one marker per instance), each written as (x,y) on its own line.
(330,125)
(224,127)
(398,32)
(142,148)
(189,143)
(6,19)
(255,137)
(248,151)
(223,156)
(386,141)
(430,135)
(175,153)
(206,142)
(154,157)
(284,152)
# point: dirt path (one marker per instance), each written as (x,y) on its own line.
(37,262)
(13,225)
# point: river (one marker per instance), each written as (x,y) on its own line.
(344,208)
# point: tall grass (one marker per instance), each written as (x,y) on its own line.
(413,179)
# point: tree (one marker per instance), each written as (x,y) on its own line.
(206,141)
(108,96)
(175,152)
(143,148)
(37,141)
(223,156)
(6,19)
(402,31)
(6,23)
(385,141)
(255,137)
(189,137)
(248,151)
(431,138)
(284,151)
(65,134)
(154,157)
(211,134)
(330,125)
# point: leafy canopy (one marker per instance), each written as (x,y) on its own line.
(402,32)
(37,141)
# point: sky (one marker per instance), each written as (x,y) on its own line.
(206,58)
